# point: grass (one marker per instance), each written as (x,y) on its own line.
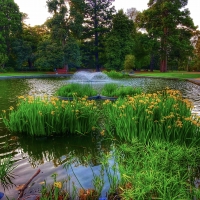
(157,170)
(75,89)
(178,75)
(6,171)
(22,73)
(113,90)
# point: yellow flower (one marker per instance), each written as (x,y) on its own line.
(52,112)
(11,108)
(58,184)
(3,111)
(93,128)
(102,132)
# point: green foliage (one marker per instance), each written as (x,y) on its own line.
(6,171)
(76,90)
(49,55)
(114,74)
(129,62)
(10,26)
(174,29)
(43,117)
(98,22)
(113,90)
(119,42)
(157,170)
(162,116)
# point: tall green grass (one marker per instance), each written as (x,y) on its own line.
(162,116)
(114,90)
(158,170)
(41,116)
(75,89)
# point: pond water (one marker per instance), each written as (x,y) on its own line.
(50,154)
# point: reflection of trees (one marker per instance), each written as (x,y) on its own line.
(62,149)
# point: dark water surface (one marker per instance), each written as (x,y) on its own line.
(50,154)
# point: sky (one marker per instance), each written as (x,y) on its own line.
(38,13)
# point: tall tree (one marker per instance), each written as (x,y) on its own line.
(10,23)
(63,27)
(98,21)
(167,22)
(120,41)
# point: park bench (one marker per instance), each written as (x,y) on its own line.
(62,71)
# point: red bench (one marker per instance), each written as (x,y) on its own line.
(62,71)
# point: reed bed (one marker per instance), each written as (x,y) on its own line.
(75,89)
(164,115)
(42,116)
(114,90)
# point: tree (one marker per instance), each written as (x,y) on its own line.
(120,41)
(98,21)
(167,22)
(63,29)
(10,25)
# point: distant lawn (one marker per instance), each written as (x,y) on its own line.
(180,75)
(22,73)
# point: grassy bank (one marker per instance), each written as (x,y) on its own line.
(178,75)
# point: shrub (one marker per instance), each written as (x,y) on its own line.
(114,74)
(129,62)
(75,89)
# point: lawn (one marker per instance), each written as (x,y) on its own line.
(179,74)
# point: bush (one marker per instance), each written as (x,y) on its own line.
(114,74)
(129,62)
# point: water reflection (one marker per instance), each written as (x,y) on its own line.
(58,150)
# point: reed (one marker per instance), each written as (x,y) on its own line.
(158,170)
(114,90)
(75,89)
(164,115)
(42,116)
(6,171)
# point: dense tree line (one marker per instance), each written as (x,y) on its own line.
(92,34)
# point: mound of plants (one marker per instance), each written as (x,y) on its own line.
(115,74)
(164,116)
(42,116)
(75,89)
(114,90)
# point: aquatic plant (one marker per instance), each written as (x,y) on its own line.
(114,90)
(164,115)
(75,89)
(42,116)
(115,74)
(6,171)
(157,170)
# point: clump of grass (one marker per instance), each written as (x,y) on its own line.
(43,117)
(158,170)
(6,171)
(115,74)
(75,89)
(162,116)
(114,90)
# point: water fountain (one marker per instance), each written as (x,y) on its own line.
(91,77)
